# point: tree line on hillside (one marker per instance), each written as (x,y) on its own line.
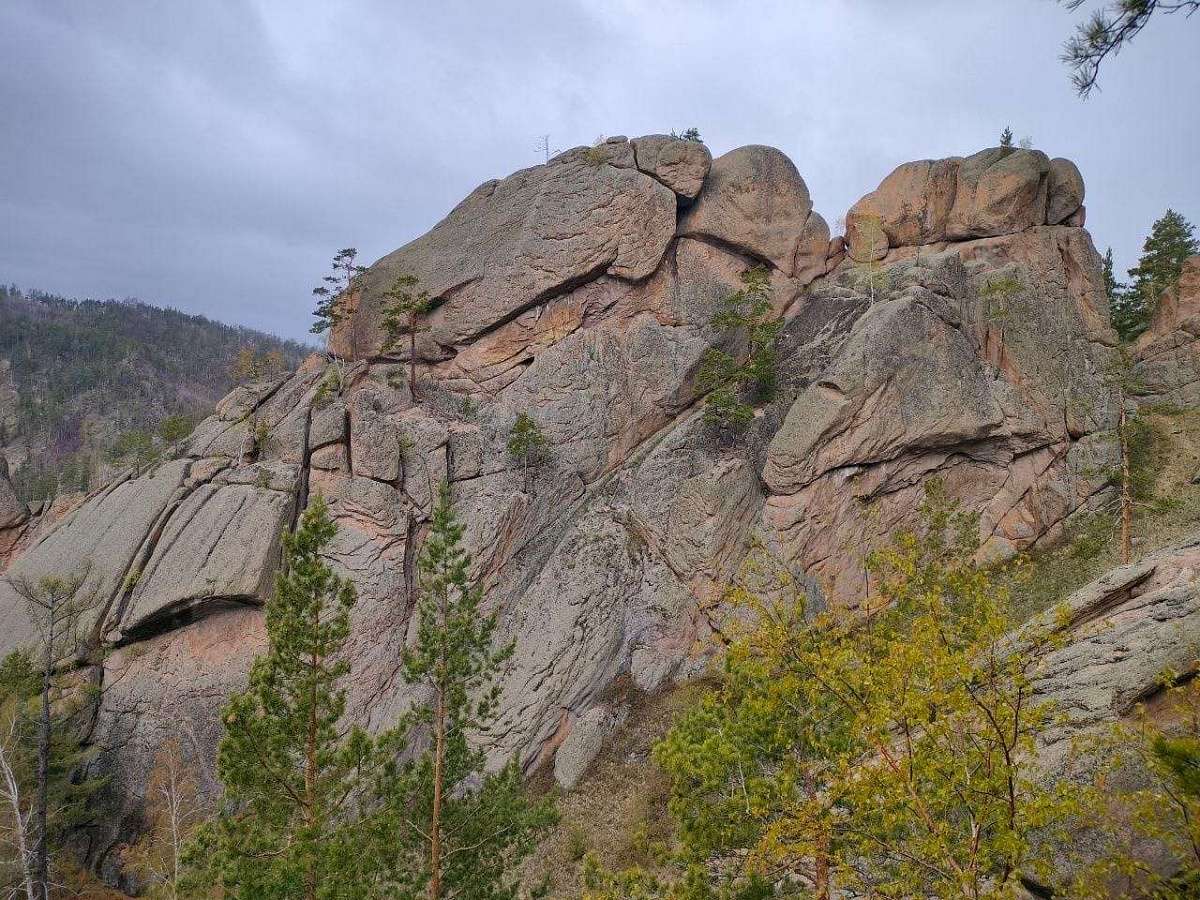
(1172,240)
(90,377)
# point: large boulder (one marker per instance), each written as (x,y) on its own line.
(680,165)
(1126,629)
(756,202)
(992,193)
(910,207)
(812,250)
(100,543)
(1065,191)
(999,191)
(517,242)
(220,544)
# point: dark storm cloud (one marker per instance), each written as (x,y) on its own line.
(212,155)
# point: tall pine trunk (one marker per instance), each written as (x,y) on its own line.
(412,356)
(310,773)
(435,825)
(439,755)
(821,879)
(41,846)
(1126,488)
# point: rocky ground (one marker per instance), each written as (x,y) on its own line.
(581,293)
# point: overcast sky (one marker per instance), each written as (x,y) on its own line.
(212,154)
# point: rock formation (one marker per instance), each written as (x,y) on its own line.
(581,292)
(1167,354)
(995,192)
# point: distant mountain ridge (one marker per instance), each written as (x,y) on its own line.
(75,375)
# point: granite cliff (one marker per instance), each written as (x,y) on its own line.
(581,292)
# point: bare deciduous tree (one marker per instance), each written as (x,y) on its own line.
(175,807)
(15,805)
(57,607)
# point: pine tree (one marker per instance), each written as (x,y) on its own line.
(345,279)
(245,365)
(293,781)
(527,443)
(1121,312)
(1006,137)
(1172,240)
(733,382)
(1107,30)
(451,829)
(133,446)
(174,429)
(402,310)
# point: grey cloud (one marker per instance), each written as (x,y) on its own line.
(213,155)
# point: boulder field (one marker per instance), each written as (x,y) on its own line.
(581,292)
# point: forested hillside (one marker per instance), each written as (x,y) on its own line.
(80,379)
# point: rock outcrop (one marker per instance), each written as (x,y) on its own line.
(582,293)
(13,511)
(1126,630)
(1167,355)
(994,192)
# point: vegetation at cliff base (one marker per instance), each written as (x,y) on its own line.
(450,827)
(316,810)
(292,777)
(885,751)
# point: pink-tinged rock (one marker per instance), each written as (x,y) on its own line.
(1064,192)
(171,686)
(925,383)
(753,200)
(911,206)
(514,243)
(1167,354)
(812,250)
(680,165)
(999,191)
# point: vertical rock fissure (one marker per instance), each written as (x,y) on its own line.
(302,487)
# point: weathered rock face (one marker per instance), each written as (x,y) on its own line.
(1167,355)
(995,192)
(1127,628)
(581,292)
(13,512)
(755,201)
(680,165)
(929,381)
(1125,631)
